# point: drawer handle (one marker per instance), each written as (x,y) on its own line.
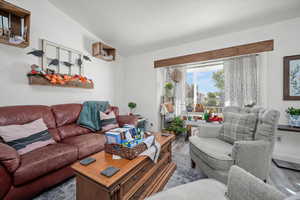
(134,178)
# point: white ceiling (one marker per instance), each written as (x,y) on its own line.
(136,26)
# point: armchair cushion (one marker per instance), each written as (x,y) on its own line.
(243,185)
(238,126)
(207,130)
(267,125)
(216,153)
(205,189)
(253,156)
(9,157)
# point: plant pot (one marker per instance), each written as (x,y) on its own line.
(294,120)
(169,93)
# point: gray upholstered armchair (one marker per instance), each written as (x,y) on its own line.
(214,155)
(241,186)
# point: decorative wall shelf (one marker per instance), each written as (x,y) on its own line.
(104,52)
(39,80)
(15,21)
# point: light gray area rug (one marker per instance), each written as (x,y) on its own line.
(183,174)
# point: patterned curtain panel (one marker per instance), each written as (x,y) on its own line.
(178,92)
(242,84)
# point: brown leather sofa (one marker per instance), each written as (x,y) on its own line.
(25,176)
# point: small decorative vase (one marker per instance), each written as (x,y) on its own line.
(294,120)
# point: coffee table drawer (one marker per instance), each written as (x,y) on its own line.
(140,193)
(136,176)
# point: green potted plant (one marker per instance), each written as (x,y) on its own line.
(177,126)
(169,89)
(131,106)
(293,115)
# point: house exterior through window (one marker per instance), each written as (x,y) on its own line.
(204,87)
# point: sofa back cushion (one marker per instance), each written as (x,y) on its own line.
(71,130)
(27,137)
(66,116)
(18,115)
(66,113)
(238,126)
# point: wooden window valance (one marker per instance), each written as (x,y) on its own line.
(245,49)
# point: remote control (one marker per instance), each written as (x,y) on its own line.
(110,171)
(87,161)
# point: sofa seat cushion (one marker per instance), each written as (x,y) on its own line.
(44,160)
(214,152)
(87,144)
(205,189)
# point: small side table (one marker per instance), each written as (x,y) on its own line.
(141,122)
(286,145)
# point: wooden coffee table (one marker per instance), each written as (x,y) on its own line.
(137,178)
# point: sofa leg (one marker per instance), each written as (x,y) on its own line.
(193,164)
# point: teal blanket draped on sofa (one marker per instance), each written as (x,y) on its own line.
(90,114)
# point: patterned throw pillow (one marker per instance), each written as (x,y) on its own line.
(108,120)
(27,137)
(238,127)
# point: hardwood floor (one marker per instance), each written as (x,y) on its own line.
(287,181)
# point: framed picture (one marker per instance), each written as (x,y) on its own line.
(291,77)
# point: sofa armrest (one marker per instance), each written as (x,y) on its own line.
(9,158)
(207,130)
(243,185)
(5,182)
(127,119)
(253,156)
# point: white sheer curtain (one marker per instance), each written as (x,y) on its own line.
(242,81)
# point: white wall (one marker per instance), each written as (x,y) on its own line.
(47,22)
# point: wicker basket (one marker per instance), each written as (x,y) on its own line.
(125,152)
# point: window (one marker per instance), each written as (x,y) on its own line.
(205,88)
